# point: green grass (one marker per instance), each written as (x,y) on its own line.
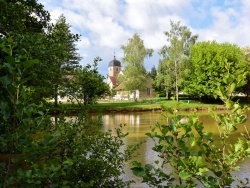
(151,104)
(143,104)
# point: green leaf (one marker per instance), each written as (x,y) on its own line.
(10,40)
(184,175)
(136,163)
(148,167)
(232,88)
(28,174)
(6,80)
(193,143)
(10,59)
(30,63)
(68,162)
(138,171)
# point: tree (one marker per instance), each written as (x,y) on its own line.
(86,85)
(246,87)
(25,23)
(207,65)
(153,72)
(134,77)
(57,52)
(22,16)
(164,81)
(175,54)
(65,57)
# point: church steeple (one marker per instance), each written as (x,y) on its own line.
(114,67)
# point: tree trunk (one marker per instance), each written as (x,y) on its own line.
(56,96)
(167,94)
(135,99)
(247,96)
(176,82)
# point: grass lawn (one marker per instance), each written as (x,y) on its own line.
(151,104)
(141,105)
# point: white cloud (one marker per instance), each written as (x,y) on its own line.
(229,24)
(107,24)
(83,43)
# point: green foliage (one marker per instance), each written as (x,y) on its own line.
(153,73)
(36,152)
(21,16)
(246,88)
(172,66)
(26,22)
(134,76)
(61,58)
(54,45)
(194,156)
(74,154)
(208,61)
(86,85)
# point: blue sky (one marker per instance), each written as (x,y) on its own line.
(105,25)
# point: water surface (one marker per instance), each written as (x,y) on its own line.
(139,123)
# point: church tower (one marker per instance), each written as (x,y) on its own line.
(114,69)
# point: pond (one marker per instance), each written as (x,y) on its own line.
(139,123)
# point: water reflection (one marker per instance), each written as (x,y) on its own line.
(138,124)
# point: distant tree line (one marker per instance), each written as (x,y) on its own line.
(197,68)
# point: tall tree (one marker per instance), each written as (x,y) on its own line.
(164,81)
(153,72)
(134,76)
(174,57)
(61,57)
(246,87)
(66,56)
(208,61)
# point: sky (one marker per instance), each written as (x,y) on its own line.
(106,25)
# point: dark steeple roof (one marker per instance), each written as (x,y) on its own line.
(114,62)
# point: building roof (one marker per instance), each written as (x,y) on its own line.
(113,80)
(114,62)
(121,86)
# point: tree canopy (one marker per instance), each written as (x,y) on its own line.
(173,64)
(22,16)
(207,67)
(134,75)
(63,54)
(86,85)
